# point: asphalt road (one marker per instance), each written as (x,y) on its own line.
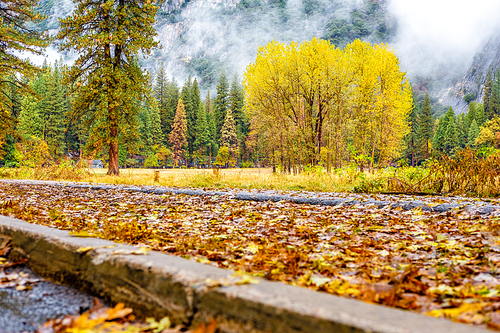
(26,311)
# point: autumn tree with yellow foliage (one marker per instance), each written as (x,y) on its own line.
(311,98)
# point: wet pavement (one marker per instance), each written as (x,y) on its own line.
(26,311)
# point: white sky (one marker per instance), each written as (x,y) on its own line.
(433,31)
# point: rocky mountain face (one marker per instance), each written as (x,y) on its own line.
(470,86)
(203,37)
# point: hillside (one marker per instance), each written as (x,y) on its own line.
(470,85)
(201,37)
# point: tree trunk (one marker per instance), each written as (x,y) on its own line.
(114,166)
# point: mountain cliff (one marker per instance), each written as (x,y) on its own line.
(202,37)
(469,87)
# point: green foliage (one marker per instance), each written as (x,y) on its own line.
(18,36)
(223,157)
(108,35)
(473,133)
(469,98)
(369,22)
(425,130)
(177,137)
(221,104)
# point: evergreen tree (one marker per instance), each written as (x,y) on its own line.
(473,133)
(177,137)
(425,130)
(438,144)
(411,138)
(229,137)
(451,139)
(145,129)
(494,100)
(30,123)
(167,117)
(211,126)
(202,141)
(190,109)
(156,129)
(162,89)
(462,130)
(471,114)
(236,104)
(18,36)
(196,107)
(108,35)
(487,93)
(53,114)
(221,104)
(480,118)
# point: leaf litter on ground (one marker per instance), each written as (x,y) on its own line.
(118,319)
(18,280)
(440,264)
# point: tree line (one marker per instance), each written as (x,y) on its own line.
(172,125)
(105,105)
(479,128)
(300,104)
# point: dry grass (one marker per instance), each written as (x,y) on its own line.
(254,178)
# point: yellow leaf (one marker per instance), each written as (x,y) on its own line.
(84,249)
(82,233)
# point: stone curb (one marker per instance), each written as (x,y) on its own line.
(473,207)
(158,284)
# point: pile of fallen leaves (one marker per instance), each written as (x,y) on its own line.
(441,264)
(116,320)
(18,280)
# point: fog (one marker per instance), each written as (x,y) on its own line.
(436,34)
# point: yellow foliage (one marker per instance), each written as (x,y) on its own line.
(303,97)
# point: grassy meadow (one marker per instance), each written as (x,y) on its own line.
(344,180)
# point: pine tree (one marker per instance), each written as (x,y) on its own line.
(438,144)
(425,130)
(236,104)
(229,138)
(471,114)
(202,141)
(157,132)
(462,130)
(411,138)
(161,93)
(195,103)
(167,118)
(451,140)
(221,104)
(494,100)
(30,123)
(480,118)
(473,133)
(108,35)
(18,36)
(53,114)
(161,85)
(211,127)
(177,137)
(487,93)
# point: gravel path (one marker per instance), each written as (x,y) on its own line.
(27,310)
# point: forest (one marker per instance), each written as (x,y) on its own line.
(300,105)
